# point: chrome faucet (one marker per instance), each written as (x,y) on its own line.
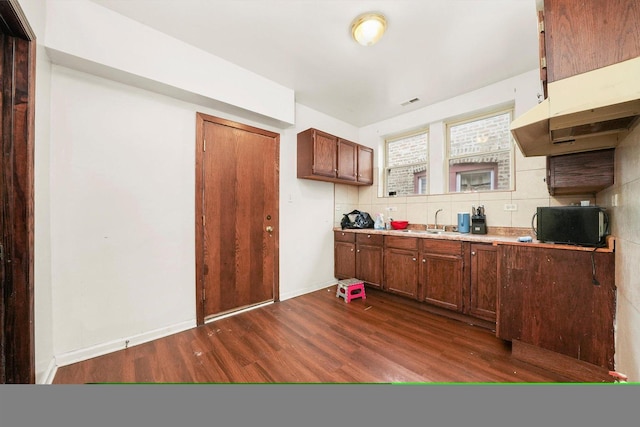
(438,211)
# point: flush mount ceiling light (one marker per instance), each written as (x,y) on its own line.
(368,28)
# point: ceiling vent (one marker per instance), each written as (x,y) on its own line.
(411,101)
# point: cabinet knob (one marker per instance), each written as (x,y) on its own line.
(351,249)
(414,259)
(368,236)
(473,253)
(357,250)
(424,260)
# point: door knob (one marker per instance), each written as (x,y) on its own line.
(269,229)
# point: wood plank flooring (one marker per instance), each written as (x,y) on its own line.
(318,338)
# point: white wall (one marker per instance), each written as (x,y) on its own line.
(306,215)
(625,221)
(122,213)
(530,191)
(122,179)
(80,34)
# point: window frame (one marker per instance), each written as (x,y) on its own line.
(386,168)
(472,117)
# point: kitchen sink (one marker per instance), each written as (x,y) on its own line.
(429,232)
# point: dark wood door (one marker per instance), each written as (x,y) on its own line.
(484,281)
(237,226)
(442,280)
(17,80)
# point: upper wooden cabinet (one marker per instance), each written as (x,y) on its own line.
(580,173)
(365,165)
(581,36)
(326,157)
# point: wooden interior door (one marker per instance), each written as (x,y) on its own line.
(17,80)
(237,216)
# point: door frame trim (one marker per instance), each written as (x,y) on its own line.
(17,352)
(201,118)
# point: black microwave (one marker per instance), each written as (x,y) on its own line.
(572,225)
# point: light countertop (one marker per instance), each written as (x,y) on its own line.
(495,239)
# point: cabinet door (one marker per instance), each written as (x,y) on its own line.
(581,36)
(580,173)
(324,154)
(365,165)
(344,260)
(369,262)
(401,272)
(442,280)
(347,160)
(484,281)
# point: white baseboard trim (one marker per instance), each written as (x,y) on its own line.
(79,355)
(120,344)
(313,288)
(47,376)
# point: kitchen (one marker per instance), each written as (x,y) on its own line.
(75,320)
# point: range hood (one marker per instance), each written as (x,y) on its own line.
(589,111)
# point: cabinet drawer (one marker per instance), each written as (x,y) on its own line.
(401,242)
(451,247)
(343,236)
(369,239)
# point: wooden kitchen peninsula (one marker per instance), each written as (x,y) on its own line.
(558,301)
(555,303)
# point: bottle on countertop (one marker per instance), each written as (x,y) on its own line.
(379,222)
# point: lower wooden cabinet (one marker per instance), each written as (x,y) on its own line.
(439,272)
(344,255)
(369,259)
(360,256)
(401,272)
(441,280)
(401,266)
(484,281)
(559,300)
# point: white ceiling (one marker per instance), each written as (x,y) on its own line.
(433,49)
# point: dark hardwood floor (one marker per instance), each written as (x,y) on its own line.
(318,338)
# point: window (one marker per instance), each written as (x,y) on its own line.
(480,153)
(406,164)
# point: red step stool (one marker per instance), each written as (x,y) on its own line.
(350,289)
